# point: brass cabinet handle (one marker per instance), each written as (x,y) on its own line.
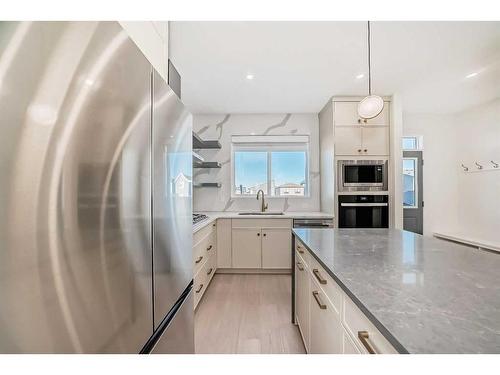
(365,121)
(363,336)
(199,289)
(318,276)
(210,271)
(209,248)
(299,249)
(321,305)
(359,121)
(300,266)
(198,260)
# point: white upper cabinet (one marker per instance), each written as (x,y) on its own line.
(375,140)
(346,113)
(348,140)
(358,137)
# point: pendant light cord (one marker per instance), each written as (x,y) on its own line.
(369,63)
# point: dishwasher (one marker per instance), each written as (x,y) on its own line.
(313,223)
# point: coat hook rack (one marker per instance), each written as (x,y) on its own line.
(481,166)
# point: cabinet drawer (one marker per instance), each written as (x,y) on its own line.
(327,284)
(203,232)
(346,113)
(325,326)
(356,322)
(349,346)
(210,267)
(301,250)
(199,285)
(261,223)
(203,250)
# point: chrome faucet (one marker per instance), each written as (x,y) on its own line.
(263,207)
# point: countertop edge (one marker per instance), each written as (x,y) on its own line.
(383,330)
(214,215)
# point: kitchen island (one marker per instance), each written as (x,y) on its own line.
(422,294)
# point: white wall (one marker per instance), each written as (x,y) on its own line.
(222,127)
(478,139)
(152,39)
(440,171)
(467,204)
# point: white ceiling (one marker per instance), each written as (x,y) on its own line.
(297,66)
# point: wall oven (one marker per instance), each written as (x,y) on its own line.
(363,211)
(362,175)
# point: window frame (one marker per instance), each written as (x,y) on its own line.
(419,142)
(269,147)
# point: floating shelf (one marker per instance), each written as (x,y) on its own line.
(197,159)
(206,164)
(207,184)
(199,143)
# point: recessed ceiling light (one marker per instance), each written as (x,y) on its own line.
(471,75)
(249,76)
(359,76)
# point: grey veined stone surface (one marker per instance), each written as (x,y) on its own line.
(424,294)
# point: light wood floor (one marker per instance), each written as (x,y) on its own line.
(247,314)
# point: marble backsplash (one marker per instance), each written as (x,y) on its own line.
(222,128)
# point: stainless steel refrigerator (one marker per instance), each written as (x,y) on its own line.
(95,195)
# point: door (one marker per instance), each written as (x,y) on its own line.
(413,192)
(172,193)
(276,244)
(302,301)
(375,140)
(348,140)
(246,245)
(75,194)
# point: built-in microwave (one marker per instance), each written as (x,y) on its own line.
(362,175)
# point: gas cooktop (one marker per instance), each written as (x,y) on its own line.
(199,217)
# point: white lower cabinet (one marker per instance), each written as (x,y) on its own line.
(329,321)
(349,346)
(261,244)
(276,244)
(247,249)
(204,260)
(325,327)
(303,289)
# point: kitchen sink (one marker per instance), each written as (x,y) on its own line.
(261,213)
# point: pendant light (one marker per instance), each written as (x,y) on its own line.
(371,105)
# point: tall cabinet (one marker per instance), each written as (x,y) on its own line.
(344,135)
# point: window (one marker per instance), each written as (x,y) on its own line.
(412,143)
(409,182)
(278,165)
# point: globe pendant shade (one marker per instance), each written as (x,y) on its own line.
(370,106)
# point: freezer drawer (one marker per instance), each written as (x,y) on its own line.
(178,337)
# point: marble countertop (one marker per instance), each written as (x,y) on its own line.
(212,216)
(425,295)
